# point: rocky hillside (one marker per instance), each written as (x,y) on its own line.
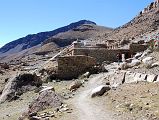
(146,22)
(35,39)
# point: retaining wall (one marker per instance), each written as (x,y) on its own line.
(101,54)
(72,66)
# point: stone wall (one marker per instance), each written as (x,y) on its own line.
(72,66)
(134,47)
(120,77)
(101,54)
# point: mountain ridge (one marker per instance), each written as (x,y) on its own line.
(35,39)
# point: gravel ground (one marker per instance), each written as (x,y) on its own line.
(136,101)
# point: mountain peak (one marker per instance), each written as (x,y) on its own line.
(85,22)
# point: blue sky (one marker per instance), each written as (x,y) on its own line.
(19,18)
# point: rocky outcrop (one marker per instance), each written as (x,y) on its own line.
(18,85)
(150,7)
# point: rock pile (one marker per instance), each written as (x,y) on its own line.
(139,58)
(47,115)
(126,65)
(47,99)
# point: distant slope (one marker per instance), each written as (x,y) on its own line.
(35,39)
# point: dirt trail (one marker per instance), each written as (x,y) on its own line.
(88,108)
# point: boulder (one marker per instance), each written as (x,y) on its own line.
(75,85)
(18,85)
(46,99)
(151,78)
(99,90)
